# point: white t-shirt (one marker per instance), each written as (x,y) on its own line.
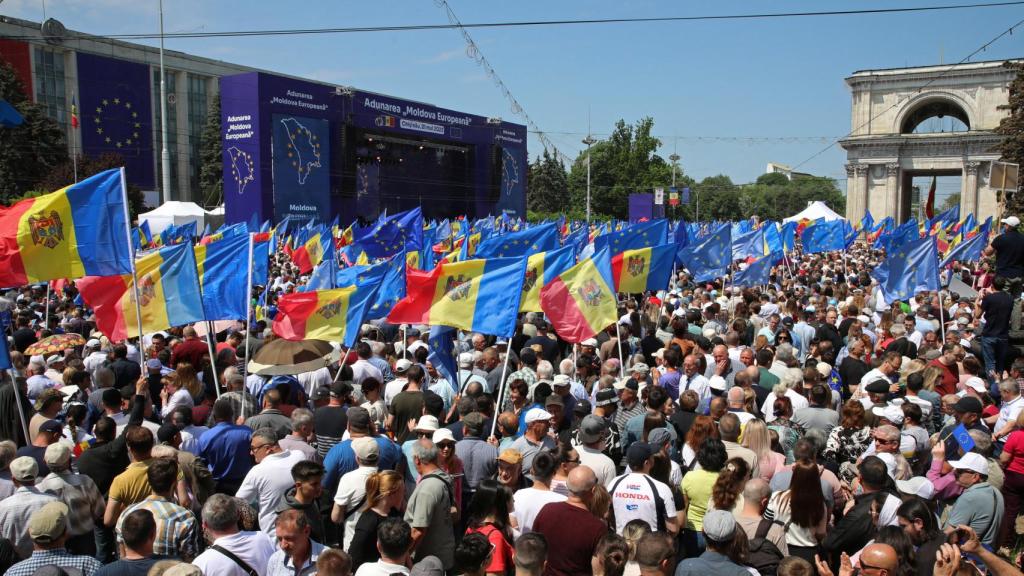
(393,389)
(768,408)
(1008,412)
(632,499)
(381,568)
(528,502)
(352,495)
(254,548)
(266,483)
(602,465)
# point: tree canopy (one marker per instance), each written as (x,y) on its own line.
(1012,129)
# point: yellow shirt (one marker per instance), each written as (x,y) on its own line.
(131,486)
(696,486)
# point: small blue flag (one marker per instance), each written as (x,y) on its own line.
(963,438)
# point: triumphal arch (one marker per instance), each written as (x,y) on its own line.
(923,121)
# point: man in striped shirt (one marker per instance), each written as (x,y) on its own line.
(177,531)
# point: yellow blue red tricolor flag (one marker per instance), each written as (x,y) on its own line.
(643,269)
(77,231)
(543,268)
(168,294)
(580,302)
(478,295)
(333,315)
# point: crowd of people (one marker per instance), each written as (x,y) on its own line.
(799,428)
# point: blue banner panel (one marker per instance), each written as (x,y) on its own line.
(302,176)
(114,99)
(240,134)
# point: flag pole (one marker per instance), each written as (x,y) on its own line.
(248,314)
(46,317)
(210,335)
(501,385)
(341,366)
(135,276)
(618,342)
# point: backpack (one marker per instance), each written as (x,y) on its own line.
(764,555)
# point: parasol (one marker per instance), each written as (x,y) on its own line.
(285,357)
(55,343)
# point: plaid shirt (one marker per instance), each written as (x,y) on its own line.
(57,557)
(83,498)
(15,511)
(177,532)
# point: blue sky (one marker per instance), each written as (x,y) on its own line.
(700,81)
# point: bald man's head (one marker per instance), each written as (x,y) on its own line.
(581,482)
(882,556)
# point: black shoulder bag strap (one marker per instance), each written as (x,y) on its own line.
(763,527)
(659,504)
(241,563)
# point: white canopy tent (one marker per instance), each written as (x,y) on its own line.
(815,210)
(176,213)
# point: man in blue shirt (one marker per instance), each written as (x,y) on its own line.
(719,531)
(226,448)
(342,459)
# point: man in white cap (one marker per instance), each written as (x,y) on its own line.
(394,388)
(351,494)
(1008,248)
(94,357)
(719,530)
(538,422)
(980,506)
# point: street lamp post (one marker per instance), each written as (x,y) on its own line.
(675,159)
(165,155)
(589,140)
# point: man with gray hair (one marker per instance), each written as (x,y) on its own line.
(266,483)
(242,402)
(431,508)
(302,431)
(233,553)
(16,510)
(1010,406)
(8,450)
(81,495)
(785,358)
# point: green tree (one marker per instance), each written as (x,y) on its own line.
(64,174)
(548,184)
(30,151)
(1011,128)
(624,163)
(211,156)
(773,179)
(951,201)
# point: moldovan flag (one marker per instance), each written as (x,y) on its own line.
(643,269)
(580,302)
(333,315)
(310,254)
(476,295)
(73,232)
(168,294)
(543,268)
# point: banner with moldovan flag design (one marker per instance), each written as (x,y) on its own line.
(477,295)
(580,302)
(543,268)
(77,231)
(636,271)
(333,315)
(168,288)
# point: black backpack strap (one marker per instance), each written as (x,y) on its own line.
(763,527)
(231,555)
(659,503)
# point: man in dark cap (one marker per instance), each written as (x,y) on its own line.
(877,394)
(966,411)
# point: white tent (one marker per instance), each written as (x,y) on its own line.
(815,210)
(176,213)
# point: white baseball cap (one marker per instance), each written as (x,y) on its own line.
(918,486)
(971,461)
(537,415)
(976,383)
(891,413)
(1011,221)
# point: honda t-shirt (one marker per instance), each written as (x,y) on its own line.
(632,498)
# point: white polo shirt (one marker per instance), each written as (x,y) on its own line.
(254,548)
(632,499)
(266,484)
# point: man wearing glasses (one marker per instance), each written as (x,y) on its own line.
(268,481)
(980,506)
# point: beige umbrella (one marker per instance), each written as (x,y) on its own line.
(285,357)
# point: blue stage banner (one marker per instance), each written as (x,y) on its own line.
(302,178)
(240,134)
(115,113)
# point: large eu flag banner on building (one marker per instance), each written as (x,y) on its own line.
(114,99)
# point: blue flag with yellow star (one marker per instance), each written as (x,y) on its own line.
(709,258)
(634,237)
(909,269)
(392,234)
(522,243)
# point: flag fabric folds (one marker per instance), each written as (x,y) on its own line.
(522,243)
(77,231)
(968,250)
(757,273)
(748,244)
(442,353)
(478,295)
(580,302)
(824,236)
(223,278)
(543,268)
(313,251)
(333,315)
(641,235)
(909,269)
(636,271)
(168,294)
(709,258)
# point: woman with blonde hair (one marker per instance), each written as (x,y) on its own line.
(385,498)
(633,531)
(757,439)
(185,378)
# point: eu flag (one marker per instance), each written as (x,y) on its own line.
(709,258)
(824,236)
(522,243)
(442,353)
(758,272)
(909,269)
(748,244)
(642,235)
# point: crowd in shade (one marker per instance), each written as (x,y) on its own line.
(805,426)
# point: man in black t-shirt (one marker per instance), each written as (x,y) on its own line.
(1009,251)
(996,306)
